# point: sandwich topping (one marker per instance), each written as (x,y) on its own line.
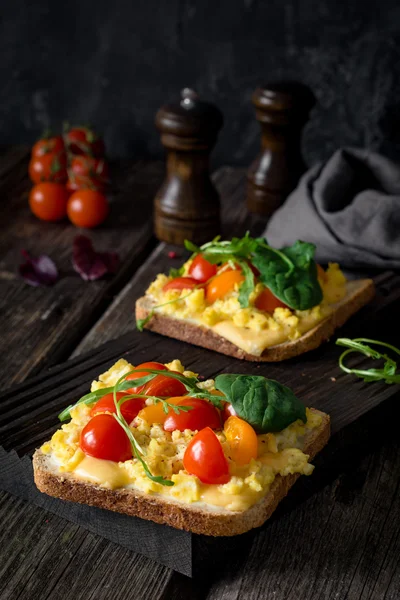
(161,431)
(251,294)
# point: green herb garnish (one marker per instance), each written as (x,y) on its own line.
(264,403)
(389,371)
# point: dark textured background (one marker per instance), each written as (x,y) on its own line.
(114,63)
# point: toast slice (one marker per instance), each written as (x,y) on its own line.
(197,518)
(359,293)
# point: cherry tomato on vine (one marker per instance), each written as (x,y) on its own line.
(242,440)
(181,283)
(129,408)
(222,284)
(267,302)
(142,373)
(103,437)
(205,458)
(82,140)
(48,201)
(87,208)
(202,414)
(201,270)
(48,167)
(51,145)
(87,172)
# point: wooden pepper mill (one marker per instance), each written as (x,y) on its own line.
(187,204)
(282,109)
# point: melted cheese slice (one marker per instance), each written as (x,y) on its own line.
(104,472)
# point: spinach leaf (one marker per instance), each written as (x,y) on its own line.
(264,403)
(290,274)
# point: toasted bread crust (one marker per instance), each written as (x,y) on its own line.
(360,293)
(197,519)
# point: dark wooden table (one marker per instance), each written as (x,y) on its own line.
(336,536)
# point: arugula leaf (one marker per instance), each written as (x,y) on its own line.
(291,274)
(247,286)
(389,371)
(264,403)
(92,397)
(173,272)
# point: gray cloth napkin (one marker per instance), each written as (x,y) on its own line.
(349,207)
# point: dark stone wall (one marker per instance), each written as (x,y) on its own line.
(114,63)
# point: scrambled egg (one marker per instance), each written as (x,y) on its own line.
(278,454)
(250,329)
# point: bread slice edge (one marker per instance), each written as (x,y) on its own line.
(360,292)
(190,517)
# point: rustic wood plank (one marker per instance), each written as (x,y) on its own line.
(41,326)
(343,542)
(50,558)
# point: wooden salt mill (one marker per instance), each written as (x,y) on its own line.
(282,110)
(187,204)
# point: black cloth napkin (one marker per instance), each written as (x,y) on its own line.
(349,207)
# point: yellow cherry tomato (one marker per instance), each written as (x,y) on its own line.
(154,413)
(242,440)
(222,284)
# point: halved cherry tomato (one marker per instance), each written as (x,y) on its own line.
(242,440)
(104,438)
(201,269)
(82,140)
(202,414)
(321,273)
(48,201)
(141,372)
(164,387)
(181,283)
(51,145)
(129,408)
(87,208)
(228,411)
(48,167)
(154,413)
(268,302)
(205,458)
(223,284)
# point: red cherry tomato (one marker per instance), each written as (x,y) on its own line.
(82,140)
(201,269)
(228,411)
(104,438)
(51,145)
(205,458)
(87,208)
(48,201)
(142,373)
(129,408)
(202,414)
(268,302)
(86,172)
(181,283)
(164,387)
(48,167)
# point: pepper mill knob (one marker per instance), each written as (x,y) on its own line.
(282,109)
(187,204)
